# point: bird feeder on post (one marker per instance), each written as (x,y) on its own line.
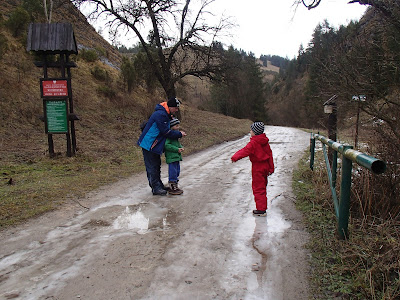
(330,108)
(47,41)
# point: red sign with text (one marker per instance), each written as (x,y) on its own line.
(54,88)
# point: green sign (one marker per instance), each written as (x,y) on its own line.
(56,116)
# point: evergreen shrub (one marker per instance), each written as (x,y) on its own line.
(89,55)
(18,21)
(3,45)
(106,91)
(100,73)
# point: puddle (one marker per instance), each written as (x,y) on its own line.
(129,220)
(142,220)
(276,223)
(261,266)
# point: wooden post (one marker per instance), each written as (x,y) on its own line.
(71,108)
(332,130)
(49,136)
(68,135)
(357,122)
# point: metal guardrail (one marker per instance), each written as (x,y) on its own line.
(342,207)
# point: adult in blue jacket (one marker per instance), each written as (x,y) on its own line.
(152,141)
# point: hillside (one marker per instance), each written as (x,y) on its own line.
(197,91)
(106,132)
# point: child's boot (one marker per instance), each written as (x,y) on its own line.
(173,189)
(178,189)
(259,213)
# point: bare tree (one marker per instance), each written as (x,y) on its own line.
(310,4)
(180,42)
(362,59)
(48,11)
(390,9)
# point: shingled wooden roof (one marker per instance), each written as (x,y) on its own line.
(53,37)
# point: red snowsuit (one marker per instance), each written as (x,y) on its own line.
(262,165)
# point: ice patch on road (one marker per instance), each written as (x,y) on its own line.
(275,222)
(129,220)
(142,219)
(11,259)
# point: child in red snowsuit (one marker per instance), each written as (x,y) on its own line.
(262,165)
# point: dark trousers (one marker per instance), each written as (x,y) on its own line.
(174,170)
(152,161)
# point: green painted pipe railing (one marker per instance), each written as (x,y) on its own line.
(342,206)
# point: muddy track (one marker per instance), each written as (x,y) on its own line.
(121,242)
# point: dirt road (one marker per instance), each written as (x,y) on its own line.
(204,244)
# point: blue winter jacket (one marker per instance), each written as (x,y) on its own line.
(157,130)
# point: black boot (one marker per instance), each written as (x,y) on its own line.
(260,213)
(159,191)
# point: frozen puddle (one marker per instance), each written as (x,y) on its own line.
(141,221)
(128,220)
(259,239)
(139,218)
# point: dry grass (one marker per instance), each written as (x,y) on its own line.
(106,153)
(31,183)
(367,265)
(106,136)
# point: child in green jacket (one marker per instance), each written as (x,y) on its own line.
(173,154)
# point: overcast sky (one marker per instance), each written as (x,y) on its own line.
(274,26)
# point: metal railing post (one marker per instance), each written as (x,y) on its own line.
(334,168)
(342,206)
(344,203)
(312,150)
(332,187)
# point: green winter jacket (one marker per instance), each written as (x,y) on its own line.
(171,148)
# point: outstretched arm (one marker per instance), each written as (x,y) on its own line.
(242,153)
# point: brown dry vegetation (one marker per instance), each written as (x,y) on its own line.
(31,183)
(365,266)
